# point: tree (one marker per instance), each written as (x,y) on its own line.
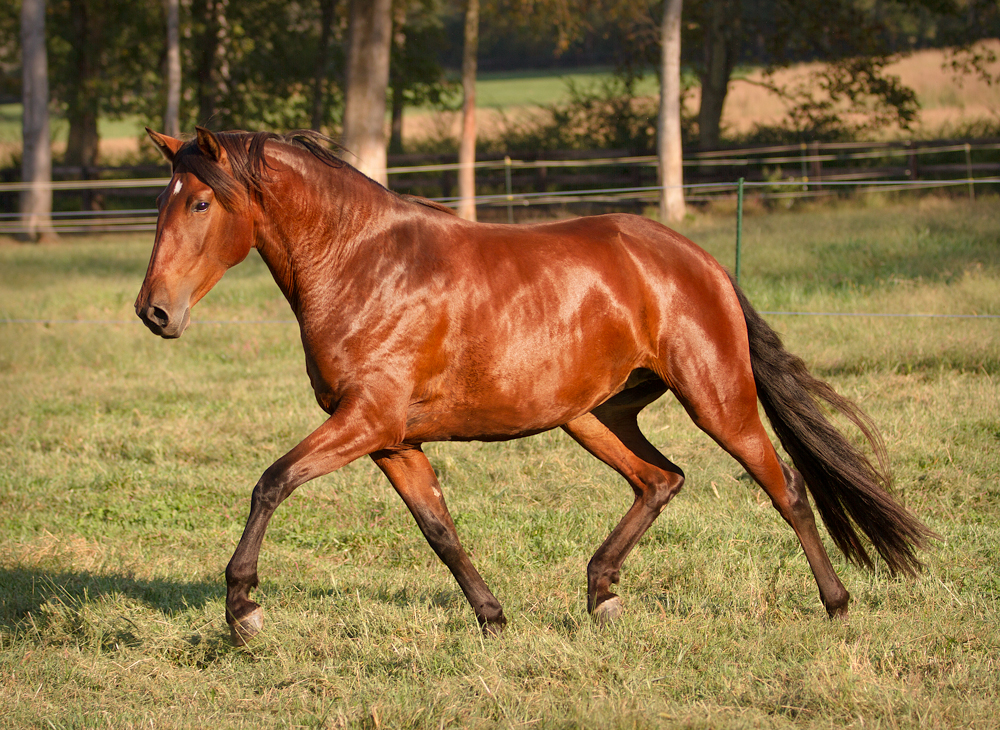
(850,37)
(367,82)
(103,58)
(254,64)
(36,201)
(721,23)
(467,143)
(963,29)
(172,115)
(669,149)
(327,10)
(83,93)
(416,76)
(213,60)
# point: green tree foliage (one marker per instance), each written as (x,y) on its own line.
(251,64)
(10,52)
(853,94)
(961,28)
(101,64)
(254,63)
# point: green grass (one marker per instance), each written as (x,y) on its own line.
(10,126)
(127,463)
(542,88)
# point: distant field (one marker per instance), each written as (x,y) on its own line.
(127,464)
(538,88)
(118,136)
(946,103)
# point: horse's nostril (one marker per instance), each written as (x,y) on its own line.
(158,316)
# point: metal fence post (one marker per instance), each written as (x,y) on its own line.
(805,170)
(968,171)
(510,192)
(739,227)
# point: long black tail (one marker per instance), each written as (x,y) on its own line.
(849,490)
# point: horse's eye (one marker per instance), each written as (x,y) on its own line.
(200,207)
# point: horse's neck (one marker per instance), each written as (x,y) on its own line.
(311,226)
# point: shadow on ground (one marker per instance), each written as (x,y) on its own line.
(26,590)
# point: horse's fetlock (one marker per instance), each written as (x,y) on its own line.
(836,606)
(491,612)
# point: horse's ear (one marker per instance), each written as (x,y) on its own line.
(209,145)
(168,146)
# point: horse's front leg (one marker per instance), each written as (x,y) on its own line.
(413,478)
(345,436)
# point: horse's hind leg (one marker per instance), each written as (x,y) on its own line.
(611,433)
(735,424)
(413,478)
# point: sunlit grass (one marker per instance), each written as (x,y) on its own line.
(545,88)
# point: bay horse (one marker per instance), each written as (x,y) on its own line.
(419,326)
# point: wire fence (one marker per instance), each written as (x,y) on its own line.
(779,172)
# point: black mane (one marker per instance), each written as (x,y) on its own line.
(245,152)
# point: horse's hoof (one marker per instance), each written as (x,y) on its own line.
(608,611)
(244,629)
(838,609)
(838,614)
(493,630)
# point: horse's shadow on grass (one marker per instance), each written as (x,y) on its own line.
(23,591)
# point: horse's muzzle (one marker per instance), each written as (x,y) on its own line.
(161,322)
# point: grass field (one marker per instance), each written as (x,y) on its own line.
(127,463)
(541,88)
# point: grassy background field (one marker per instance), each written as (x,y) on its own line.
(127,463)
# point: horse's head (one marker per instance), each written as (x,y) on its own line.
(204,227)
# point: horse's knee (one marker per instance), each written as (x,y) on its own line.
(271,489)
(660,488)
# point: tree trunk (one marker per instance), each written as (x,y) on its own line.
(36,201)
(719,57)
(172,116)
(467,144)
(213,68)
(367,82)
(396,129)
(83,143)
(397,78)
(322,60)
(668,143)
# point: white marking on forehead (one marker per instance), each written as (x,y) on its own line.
(177,187)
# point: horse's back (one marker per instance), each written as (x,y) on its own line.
(645,266)
(618,240)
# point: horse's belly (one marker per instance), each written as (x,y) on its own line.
(503,405)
